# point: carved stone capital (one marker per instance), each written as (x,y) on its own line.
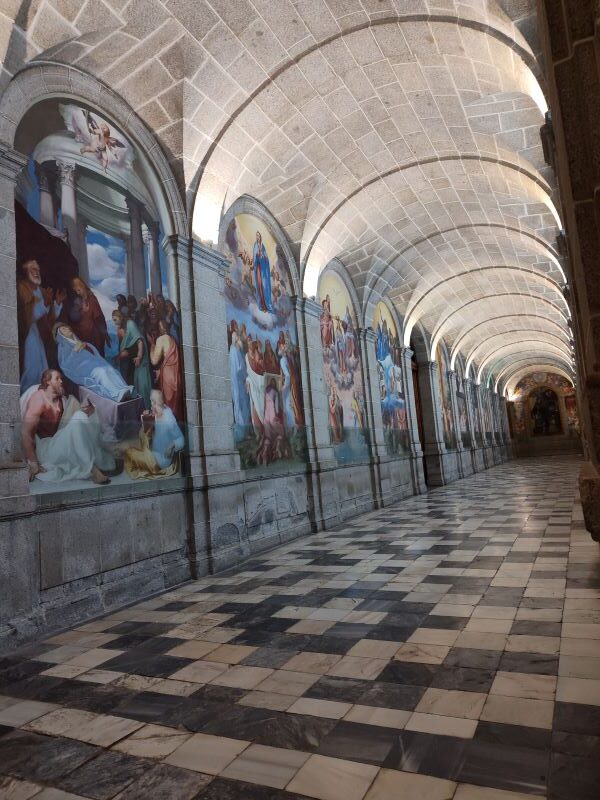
(66,173)
(11,162)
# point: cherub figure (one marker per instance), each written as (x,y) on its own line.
(100,143)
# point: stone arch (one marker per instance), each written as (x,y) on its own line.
(370,310)
(40,81)
(249,205)
(337,267)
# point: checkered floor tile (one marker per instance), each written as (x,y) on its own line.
(445,647)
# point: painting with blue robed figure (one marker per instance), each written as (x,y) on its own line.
(391,382)
(101,364)
(342,366)
(264,358)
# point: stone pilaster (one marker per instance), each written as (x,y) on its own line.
(483,409)
(14,476)
(413,425)
(313,480)
(434,448)
(315,390)
(374,419)
(463,462)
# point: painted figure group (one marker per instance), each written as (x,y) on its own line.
(266,391)
(70,390)
(338,335)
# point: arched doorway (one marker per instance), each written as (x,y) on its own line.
(544,412)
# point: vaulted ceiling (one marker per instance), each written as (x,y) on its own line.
(399,136)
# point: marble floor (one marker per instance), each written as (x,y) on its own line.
(445,647)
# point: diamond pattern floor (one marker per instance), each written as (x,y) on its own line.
(445,647)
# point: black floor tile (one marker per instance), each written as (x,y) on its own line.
(573,778)
(408,672)
(439,756)
(513,735)
(392,695)
(463,679)
(577,718)
(141,628)
(141,662)
(160,709)
(165,782)
(32,757)
(577,744)
(536,628)
(105,776)
(346,690)
(532,663)
(222,789)
(515,769)
(472,659)
(367,744)
(446,623)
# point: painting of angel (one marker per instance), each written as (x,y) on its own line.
(97,138)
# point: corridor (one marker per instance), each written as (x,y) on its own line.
(444,647)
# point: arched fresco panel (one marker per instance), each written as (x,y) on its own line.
(264,358)
(536,405)
(343,370)
(445,397)
(392,390)
(101,377)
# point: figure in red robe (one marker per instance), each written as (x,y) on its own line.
(86,319)
(164,354)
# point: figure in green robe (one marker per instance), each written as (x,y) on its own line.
(133,356)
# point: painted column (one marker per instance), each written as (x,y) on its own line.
(47,200)
(82,258)
(68,203)
(413,424)
(151,242)
(137,286)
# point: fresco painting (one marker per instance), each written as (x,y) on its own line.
(572,415)
(264,358)
(343,370)
(537,401)
(445,398)
(101,378)
(544,411)
(391,382)
(536,379)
